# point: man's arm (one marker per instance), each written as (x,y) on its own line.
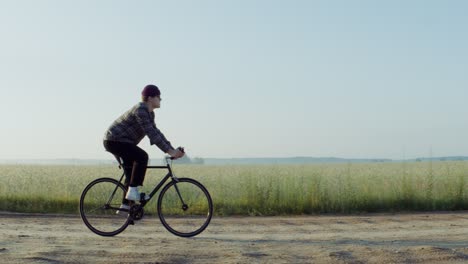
(155,135)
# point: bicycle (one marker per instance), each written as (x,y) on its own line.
(184,205)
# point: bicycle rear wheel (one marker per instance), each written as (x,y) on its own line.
(99,204)
(185,207)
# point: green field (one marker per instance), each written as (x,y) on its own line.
(260,190)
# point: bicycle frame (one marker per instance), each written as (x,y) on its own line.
(170,174)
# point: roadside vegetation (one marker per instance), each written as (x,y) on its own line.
(260,189)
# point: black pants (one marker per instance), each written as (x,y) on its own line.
(134,158)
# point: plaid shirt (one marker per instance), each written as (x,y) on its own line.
(134,124)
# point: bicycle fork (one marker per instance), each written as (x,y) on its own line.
(184,206)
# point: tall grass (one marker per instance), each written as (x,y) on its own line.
(260,190)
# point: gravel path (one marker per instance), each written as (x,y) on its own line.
(371,238)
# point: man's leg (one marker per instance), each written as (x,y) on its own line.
(128,175)
(131,154)
(140,162)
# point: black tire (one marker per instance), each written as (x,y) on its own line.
(99,203)
(185,221)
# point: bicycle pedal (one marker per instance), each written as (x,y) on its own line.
(144,197)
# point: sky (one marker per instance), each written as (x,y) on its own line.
(350,79)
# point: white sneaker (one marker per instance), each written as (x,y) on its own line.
(125,207)
(134,195)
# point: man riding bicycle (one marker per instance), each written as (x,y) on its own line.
(124,134)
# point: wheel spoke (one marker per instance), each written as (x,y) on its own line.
(92,211)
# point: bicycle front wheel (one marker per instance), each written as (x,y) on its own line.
(185,207)
(99,207)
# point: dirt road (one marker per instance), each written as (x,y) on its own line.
(379,238)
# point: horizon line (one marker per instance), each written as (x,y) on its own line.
(277,157)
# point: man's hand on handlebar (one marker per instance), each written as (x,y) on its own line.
(176,153)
